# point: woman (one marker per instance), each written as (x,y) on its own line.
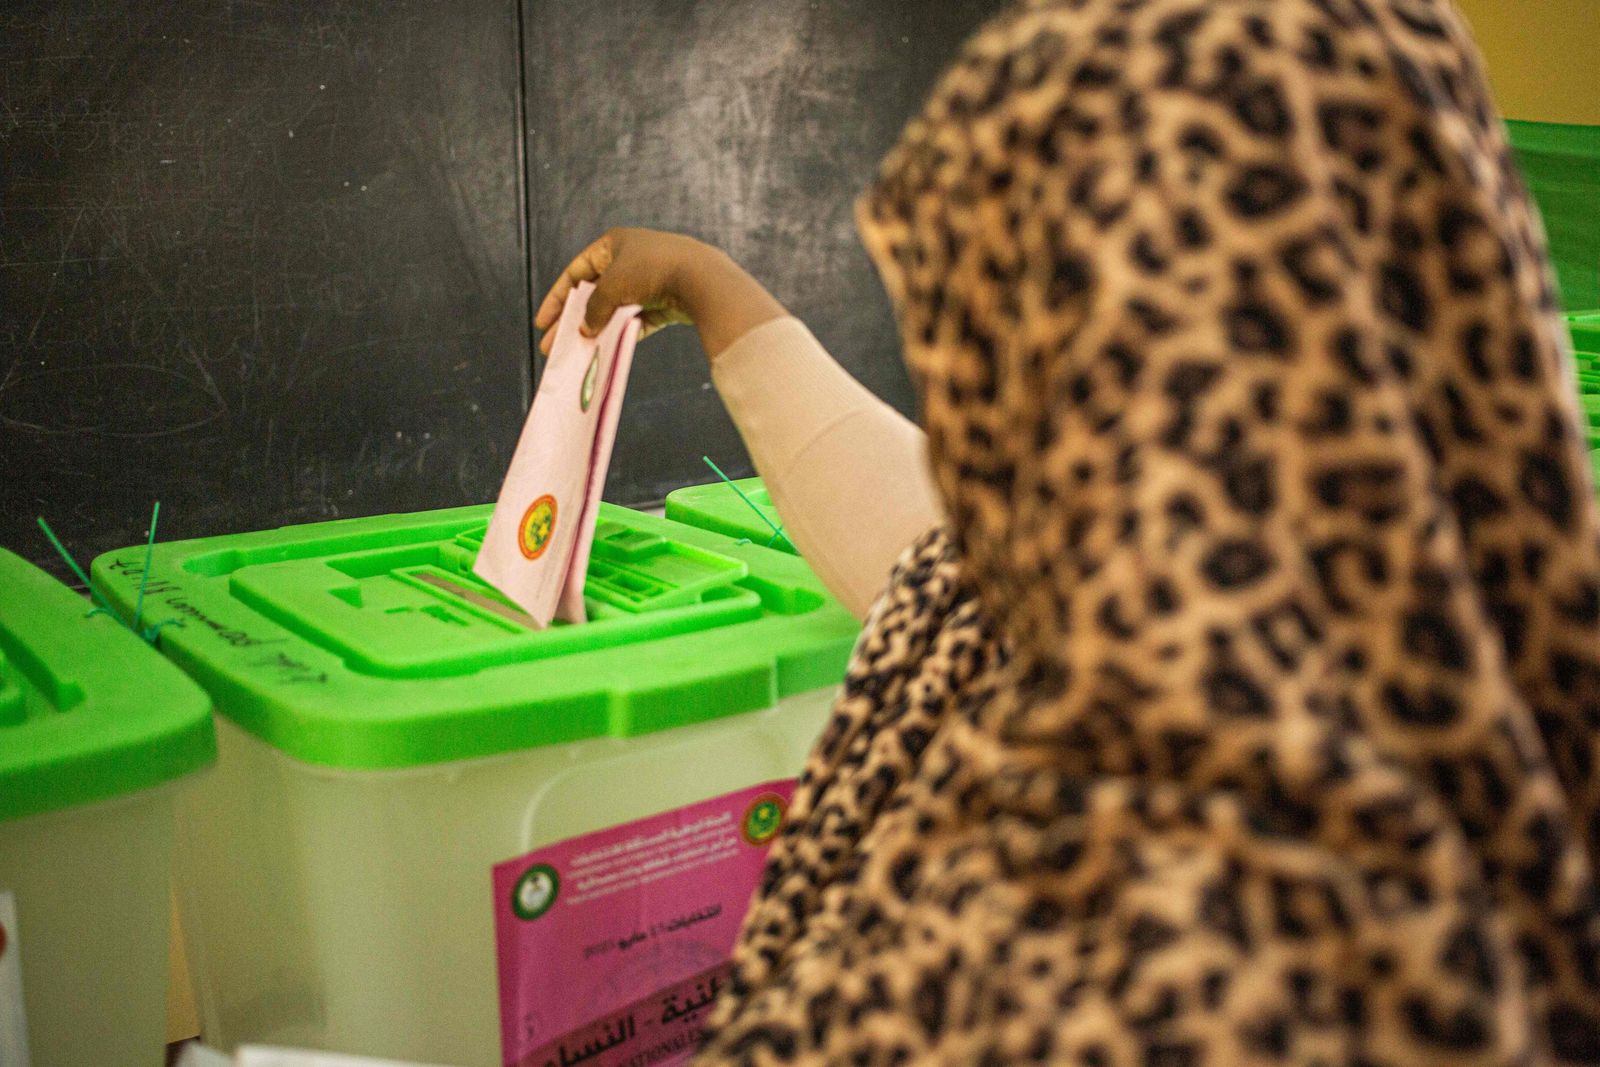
(1245,708)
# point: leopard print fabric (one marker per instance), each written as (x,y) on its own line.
(1247,711)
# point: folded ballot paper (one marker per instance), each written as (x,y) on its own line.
(537,549)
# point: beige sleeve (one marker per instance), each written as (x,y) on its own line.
(847,473)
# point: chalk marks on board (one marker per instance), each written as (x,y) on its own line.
(129,401)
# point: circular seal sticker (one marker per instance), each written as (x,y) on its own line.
(586,394)
(537,527)
(535,892)
(763,818)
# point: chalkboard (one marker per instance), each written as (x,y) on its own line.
(752,125)
(263,260)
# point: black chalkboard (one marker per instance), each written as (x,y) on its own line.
(262,260)
(752,125)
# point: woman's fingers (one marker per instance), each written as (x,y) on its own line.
(658,319)
(602,302)
(632,279)
(586,267)
(641,273)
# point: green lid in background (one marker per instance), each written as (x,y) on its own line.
(720,507)
(369,643)
(88,711)
(1560,163)
(1585,327)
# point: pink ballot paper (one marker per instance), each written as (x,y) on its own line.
(537,549)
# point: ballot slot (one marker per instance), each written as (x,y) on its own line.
(400,609)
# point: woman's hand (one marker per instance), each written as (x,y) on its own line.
(673,278)
(629,267)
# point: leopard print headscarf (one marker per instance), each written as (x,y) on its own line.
(1248,711)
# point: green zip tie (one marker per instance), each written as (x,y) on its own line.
(777,531)
(100,606)
(144,575)
(151,634)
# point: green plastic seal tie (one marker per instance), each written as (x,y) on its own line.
(777,531)
(148,634)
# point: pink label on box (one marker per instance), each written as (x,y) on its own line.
(611,946)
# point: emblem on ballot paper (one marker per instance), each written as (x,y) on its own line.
(538,523)
(538,554)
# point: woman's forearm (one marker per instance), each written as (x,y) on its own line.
(808,426)
(724,301)
(846,472)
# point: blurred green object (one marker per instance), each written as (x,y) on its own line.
(1561,164)
(1585,329)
